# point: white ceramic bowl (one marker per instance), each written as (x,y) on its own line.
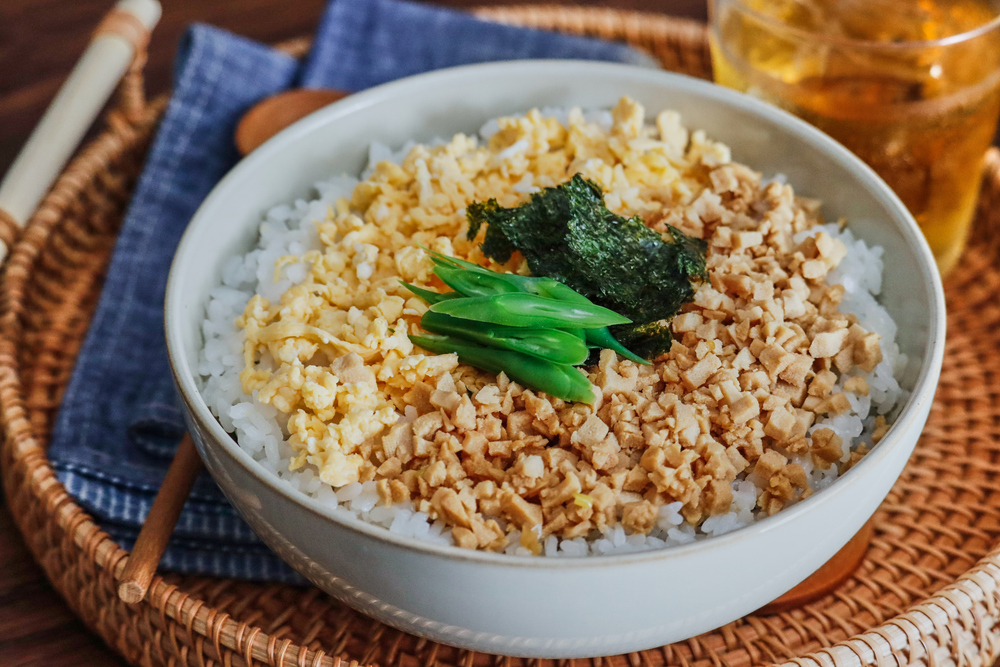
(539,606)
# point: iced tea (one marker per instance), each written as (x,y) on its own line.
(911,86)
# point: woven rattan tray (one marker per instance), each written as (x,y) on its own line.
(926,593)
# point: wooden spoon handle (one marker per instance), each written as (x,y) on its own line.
(160,522)
(121,35)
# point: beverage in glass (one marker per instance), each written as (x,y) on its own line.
(910,86)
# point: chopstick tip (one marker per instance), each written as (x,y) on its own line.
(131,592)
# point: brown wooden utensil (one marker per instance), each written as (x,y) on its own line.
(160,523)
(827,578)
(273,114)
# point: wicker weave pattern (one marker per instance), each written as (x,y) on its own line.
(9,229)
(926,595)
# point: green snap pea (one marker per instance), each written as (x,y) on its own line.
(550,344)
(602,338)
(520,309)
(474,283)
(441,259)
(596,337)
(428,295)
(539,285)
(558,380)
(474,280)
(553,289)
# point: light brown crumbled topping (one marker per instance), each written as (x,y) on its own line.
(754,362)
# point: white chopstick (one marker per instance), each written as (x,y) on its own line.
(120,36)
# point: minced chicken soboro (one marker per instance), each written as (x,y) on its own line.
(778,379)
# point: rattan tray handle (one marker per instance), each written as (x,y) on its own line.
(118,39)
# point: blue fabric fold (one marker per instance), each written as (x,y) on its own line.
(120,419)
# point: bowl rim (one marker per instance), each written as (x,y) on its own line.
(924,386)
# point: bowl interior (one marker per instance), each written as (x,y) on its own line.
(336,139)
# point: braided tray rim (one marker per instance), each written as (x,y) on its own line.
(52,280)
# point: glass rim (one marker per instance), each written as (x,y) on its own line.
(951,40)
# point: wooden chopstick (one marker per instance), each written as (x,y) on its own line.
(160,522)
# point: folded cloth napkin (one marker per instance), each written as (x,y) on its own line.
(120,419)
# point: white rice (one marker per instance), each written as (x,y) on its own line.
(260,429)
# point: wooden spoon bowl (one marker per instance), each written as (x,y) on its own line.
(273,114)
(827,578)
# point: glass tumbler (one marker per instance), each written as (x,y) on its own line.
(910,86)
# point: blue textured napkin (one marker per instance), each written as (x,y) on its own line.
(120,419)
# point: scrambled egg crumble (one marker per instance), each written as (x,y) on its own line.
(756,358)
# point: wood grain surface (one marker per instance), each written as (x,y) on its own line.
(40,41)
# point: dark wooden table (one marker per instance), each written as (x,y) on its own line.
(40,41)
